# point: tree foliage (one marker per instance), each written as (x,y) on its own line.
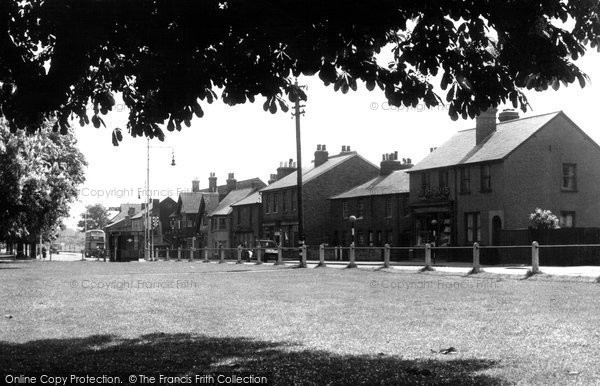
(168,58)
(39,176)
(95,216)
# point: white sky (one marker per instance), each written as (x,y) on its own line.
(249,142)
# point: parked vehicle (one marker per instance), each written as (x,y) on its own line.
(268,249)
(94,243)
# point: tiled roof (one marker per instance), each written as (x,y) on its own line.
(254,198)
(211,202)
(190,201)
(393,183)
(234,196)
(124,211)
(255,183)
(312,172)
(461,148)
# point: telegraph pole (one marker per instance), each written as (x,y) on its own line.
(297,112)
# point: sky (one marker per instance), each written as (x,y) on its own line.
(249,142)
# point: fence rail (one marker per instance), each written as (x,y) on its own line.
(426,255)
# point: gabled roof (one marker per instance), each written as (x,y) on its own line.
(234,196)
(211,202)
(189,202)
(312,172)
(124,212)
(252,199)
(255,183)
(461,148)
(393,183)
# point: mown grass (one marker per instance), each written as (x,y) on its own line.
(304,326)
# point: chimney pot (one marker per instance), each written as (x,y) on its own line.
(508,115)
(343,148)
(318,147)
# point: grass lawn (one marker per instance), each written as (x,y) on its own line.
(303,326)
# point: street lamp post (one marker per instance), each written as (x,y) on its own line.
(352,263)
(148,236)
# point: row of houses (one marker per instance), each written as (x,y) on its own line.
(480,182)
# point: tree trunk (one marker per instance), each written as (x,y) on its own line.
(32,250)
(20,248)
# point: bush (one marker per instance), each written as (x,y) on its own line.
(543,219)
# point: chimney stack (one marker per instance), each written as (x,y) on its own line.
(272,178)
(485,124)
(285,168)
(212,183)
(321,155)
(508,115)
(195,185)
(346,149)
(390,163)
(231,183)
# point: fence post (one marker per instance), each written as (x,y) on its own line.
(258,255)
(535,257)
(303,256)
(191,254)
(222,256)
(239,254)
(352,263)
(168,253)
(427,257)
(322,256)
(386,256)
(476,265)
(206,260)
(155,257)
(279,255)
(179,253)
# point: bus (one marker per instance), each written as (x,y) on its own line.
(94,243)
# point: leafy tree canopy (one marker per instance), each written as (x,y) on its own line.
(167,58)
(95,217)
(39,177)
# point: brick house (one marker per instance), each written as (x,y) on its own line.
(221,219)
(247,220)
(492,177)
(380,206)
(327,177)
(188,221)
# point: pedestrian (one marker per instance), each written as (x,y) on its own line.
(44,253)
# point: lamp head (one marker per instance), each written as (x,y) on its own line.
(352,218)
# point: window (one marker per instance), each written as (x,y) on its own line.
(425,182)
(267,203)
(275,203)
(569,180)
(222,223)
(360,239)
(465,180)
(567,219)
(486,178)
(370,238)
(389,237)
(360,209)
(388,207)
(345,209)
(284,201)
(250,213)
(473,227)
(443,178)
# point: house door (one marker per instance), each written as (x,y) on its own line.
(496,229)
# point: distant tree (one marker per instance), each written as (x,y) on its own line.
(39,178)
(58,58)
(96,217)
(543,219)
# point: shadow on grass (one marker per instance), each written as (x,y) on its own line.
(185,354)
